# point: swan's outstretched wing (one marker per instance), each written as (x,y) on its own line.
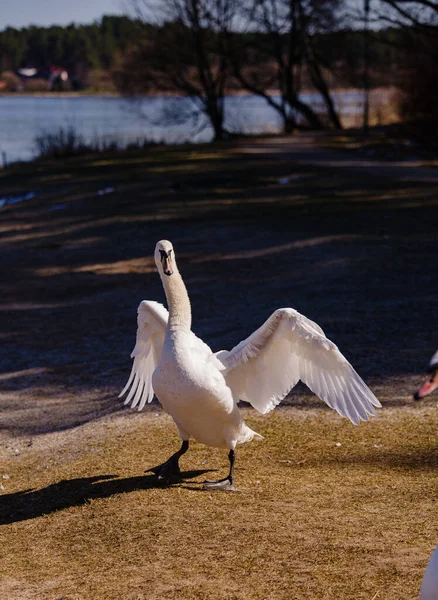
(152,321)
(287,347)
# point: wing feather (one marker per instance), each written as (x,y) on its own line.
(133,388)
(151,329)
(128,383)
(139,391)
(288,347)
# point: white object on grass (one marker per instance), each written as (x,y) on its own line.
(429,587)
(104,191)
(16,199)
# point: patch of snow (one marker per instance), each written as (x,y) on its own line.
(16,199)
(107,190)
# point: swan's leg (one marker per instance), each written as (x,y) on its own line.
(169,471)
(227,482)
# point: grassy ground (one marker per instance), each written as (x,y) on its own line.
(416,140)
(325,510)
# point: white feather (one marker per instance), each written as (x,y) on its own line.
(286,348)
(429,585)
(151,329)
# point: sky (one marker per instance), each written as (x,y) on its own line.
(23,13)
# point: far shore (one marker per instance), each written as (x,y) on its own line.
(103,94)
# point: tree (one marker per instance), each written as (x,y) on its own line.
(95,44)
(417,22)
(281,37)
(183,52)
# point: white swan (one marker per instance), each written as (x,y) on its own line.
(431,383)
(429,585)
(200,389)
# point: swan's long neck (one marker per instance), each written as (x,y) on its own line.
(180,313)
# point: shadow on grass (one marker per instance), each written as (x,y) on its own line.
(64,414)
(411,461)
(30,503)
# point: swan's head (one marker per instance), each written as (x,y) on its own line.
(164,257)
(431,383)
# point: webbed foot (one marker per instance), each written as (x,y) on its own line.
(225,485)
(169,472)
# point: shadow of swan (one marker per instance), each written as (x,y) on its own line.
(31,503)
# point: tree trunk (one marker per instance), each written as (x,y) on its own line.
(215,113)
(320,83)
(218,131)
(308,113)
(289,124)
(333,115)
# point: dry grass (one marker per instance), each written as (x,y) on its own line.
(407,141)
(384,109)
(314,520)
(325,511)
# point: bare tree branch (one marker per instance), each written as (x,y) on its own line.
(185,53)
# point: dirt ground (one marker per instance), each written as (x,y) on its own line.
(253,230)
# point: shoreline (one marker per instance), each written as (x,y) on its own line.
(231,93)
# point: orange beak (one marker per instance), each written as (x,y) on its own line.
(429,386)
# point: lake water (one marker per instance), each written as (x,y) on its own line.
(170,120)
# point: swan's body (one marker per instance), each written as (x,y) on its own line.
(429,586)
(191,387)
(200,389)
(431,383)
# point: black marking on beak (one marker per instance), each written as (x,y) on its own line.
(166,263)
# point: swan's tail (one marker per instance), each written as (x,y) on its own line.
(246,434)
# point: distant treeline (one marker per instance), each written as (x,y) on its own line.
(94,46)
(81,48)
